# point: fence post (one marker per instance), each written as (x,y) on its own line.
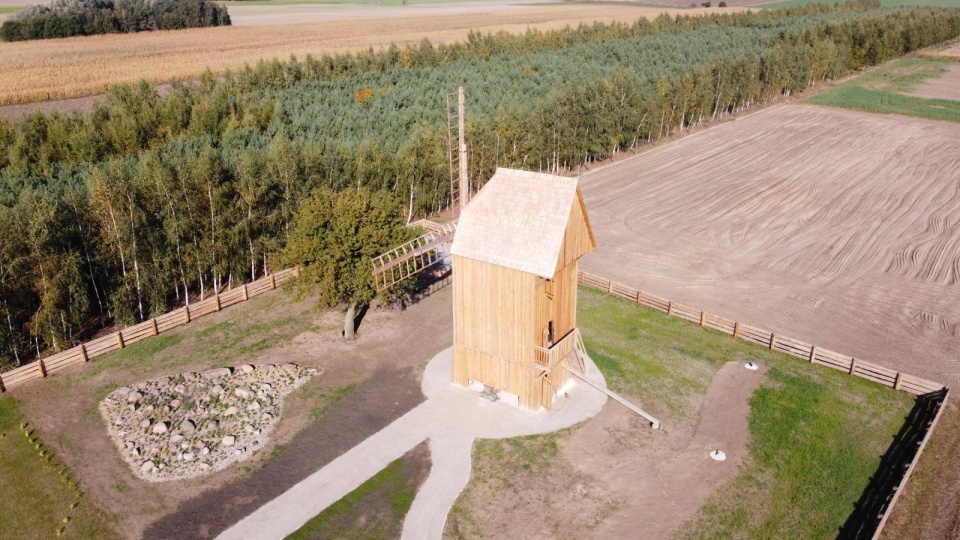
(273,282)
(83,353)
(245,295)
(897,381)
(217,303)
(156,330)
(853,365)
(296,271)
(702,315)
(186,314)
(813,352)
(639,297)
(119,339)
(610,286)
(40,370)
(736,329)
(773,340)
(669,308)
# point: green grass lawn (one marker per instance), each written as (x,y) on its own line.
(376,509)
(4,10)
(816,434)
(39,494)
(884,91)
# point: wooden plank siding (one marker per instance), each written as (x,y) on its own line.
(82,353)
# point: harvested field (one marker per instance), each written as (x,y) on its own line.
(946,86)
(834,225)
(64,68)
(842,230)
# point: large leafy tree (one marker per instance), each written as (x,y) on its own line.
(334,236)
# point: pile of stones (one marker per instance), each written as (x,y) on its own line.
(192,424)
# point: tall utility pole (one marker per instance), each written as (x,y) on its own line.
(457,151)
(464,180)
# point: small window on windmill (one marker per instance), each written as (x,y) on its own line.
(550,334)
(548,288)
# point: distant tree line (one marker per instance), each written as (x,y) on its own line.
(121,213)
(65,18)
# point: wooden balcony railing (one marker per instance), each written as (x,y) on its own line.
(548,358)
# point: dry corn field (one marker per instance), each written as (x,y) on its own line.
(835,225)
(64,68)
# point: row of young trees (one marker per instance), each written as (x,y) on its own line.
(126,211)
(66,18)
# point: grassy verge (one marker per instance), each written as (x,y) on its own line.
(377,508)
(205,344)
(884,91)
(816,434)
(42,499)
(883,3)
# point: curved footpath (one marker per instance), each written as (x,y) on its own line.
(451,419)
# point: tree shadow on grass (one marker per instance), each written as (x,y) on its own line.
(875,500)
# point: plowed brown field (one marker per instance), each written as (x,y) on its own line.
(79,66)
(833,226)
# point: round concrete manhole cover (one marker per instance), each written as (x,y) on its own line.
(751,366)
(718,455)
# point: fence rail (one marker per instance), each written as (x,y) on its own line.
(810,352)
(932,393)
(84,352)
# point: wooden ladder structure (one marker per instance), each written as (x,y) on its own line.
(414,256)
(457,150)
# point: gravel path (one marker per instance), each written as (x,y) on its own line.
(451,418)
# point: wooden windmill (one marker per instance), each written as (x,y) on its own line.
(515,250)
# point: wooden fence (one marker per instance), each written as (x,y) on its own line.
(794,347)
(935,393)
(82,353)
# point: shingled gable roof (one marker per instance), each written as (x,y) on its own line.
(517,220)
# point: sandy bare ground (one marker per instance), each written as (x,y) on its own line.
(663,485)
(946,86)
(382,366)
(833,226)
(837,227)
(80,66)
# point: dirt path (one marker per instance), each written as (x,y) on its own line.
(382,365)
(946,86)
(659,493)
(833,226)
(451,419)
